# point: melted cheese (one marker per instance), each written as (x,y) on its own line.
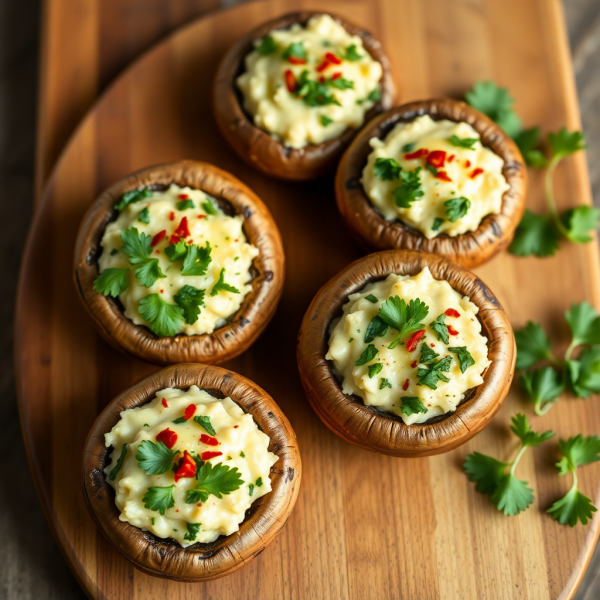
(242,444)
(290,119)
(484,189)
(400,367)
(230,251)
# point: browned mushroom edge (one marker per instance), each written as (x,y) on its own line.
(243,328)
(371,428)
(495,232)
(256,146)
(264,519)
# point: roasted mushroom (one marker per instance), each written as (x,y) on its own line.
(471,248)
(264,519)
(370,428)
(267,268)
(257,147)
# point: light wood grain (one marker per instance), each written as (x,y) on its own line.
(365,525)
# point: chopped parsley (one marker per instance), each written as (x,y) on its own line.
(159,498)
(314,93)
(209,207)
(115,471)
(463,142)
(367,356)
(387,169)
(190,299)
(154,458)
(196,260)
(371,298)
(440,327)
(192,531)
(111,282)
(144,215)
(434,373)
(296,50)
(259,482)
(164,319)
(266,46)
(404,318)
(464,357)
(374,369)
(218,480)
(384,383)
(410,189)
(137,247)
(325,120)
(437,223)
(132,196)
(250,489)
(412,405)
(184,204)
(204,422)
(427,354)
(457,208)
(221,286)
(351,53)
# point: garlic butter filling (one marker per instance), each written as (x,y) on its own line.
(187,466)
(306,85)
(176,261)
(434,176)
(411,346)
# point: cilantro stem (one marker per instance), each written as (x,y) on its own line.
(570,349)
(540,411)
(517,459)
(554,161)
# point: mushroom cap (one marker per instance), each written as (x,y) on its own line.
(264,519)
(258,307)
(259,149)
(495,232)
(379,431)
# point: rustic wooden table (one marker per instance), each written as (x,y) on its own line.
(98,39)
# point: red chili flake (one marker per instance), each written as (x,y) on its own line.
(443,176)
(290,81)
(451,330)
(323,66)
(436,158)
(336,75)
(183,231)
(333,59)
(183,196)
(158,238)
(199,504)
(202,216)
(413,364)
(167,437)
(164,403)
(209,440)
(451,158)
(208,455)
(321,79)
(296,61)
(405,385)
(451,312)
(477,171)
(235,426)
(432,345)
(171,216)
(416,154)
(157,252)
(162,291)
(467,163)
(411,345)
(190,411)
(187,468)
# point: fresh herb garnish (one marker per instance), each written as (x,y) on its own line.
(404,318)
(495,102)
(384,383)
(341,83)
(351,53)
(463,142)
(259,482)
(533,345)
(144,215)
(432,374)
(387,169)
(427,354)
(111,282)
(204,422)
(133,196)
(209,207)
(192,531)
(440,327)
(465,360)
(374,369)
(412,405)
(159,498)
(369,353)
(176,251)
(371,298)
(437,223)
(196,260)
(184,204)
(221,286)
(314,93)
(250,489)
(266,46)
(190,299)
(295,49)
(218,480)
(114,472)
(137,247)
(377,328)
(457,208)
(154,458)
(410,189)
(165,319)
(375,95)
(325,120)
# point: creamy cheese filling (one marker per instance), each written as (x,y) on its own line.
(421,373)
(190,479)
(306,85)
(435,176)
(160,292)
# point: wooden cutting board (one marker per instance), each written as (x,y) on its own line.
(365,526)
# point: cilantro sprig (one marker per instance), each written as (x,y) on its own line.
(216,479)
(404,318)
(190,299)
(111,282)
(154,458)
(163,318)
(410,189)
(508,493)
(137,247)
(159,498)
(132,196)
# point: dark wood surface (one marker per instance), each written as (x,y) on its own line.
(30,566)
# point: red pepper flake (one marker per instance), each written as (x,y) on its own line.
(167,437)
(333,59)
(411,345)
(183,196)
(321,79)
(199,504)
(296,61)
(171,216)
(164,403)
(323,66)
(451,312)
(443,176)
(436,158)
(235,426)
(158,238)
(290,81)
(416,154)
(190,411)
(162,291)
(202,216)
(187,468)
(182,231)
(208,455)
(451,158)
(467,163)
(432,345)
(336,75)
(451,330)
(157,252)
(413,364)
(405,385)
(209,440)
(477,171)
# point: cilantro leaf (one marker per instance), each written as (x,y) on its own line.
(325,120)
(437,223)
(176,251)
(341,83)
(457,208)
(159,498)
(111,282)
(427,354)
(544,387)
(132,196)
(579,222)
(387,169)
(495,102)
(484,470)
(374,369)
(578,451)
(374,95)
(432,374)
(209,207)
(369,353)
(372,299)
(206,424)
(564,143)
(115,471)
(584,323)
(463,142)
(216,479)
(190,299)
(412,405)
(314,93)
(572,507)
(521,428)
(295,49)
(533,345)
(464,357)
(196,260)
(535,235)
(351,53)
(221,286)
(404,318)
(192,531)
(410,189)
(528,142)
(266,46)
(144,215)
(165,319)
(512,495)
(440,327)
(259,482)
(584,373)
(184,204)
(384,383)
(154,458)
(148,272)
(136,245)
(377,328)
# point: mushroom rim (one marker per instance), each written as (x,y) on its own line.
(263,521)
